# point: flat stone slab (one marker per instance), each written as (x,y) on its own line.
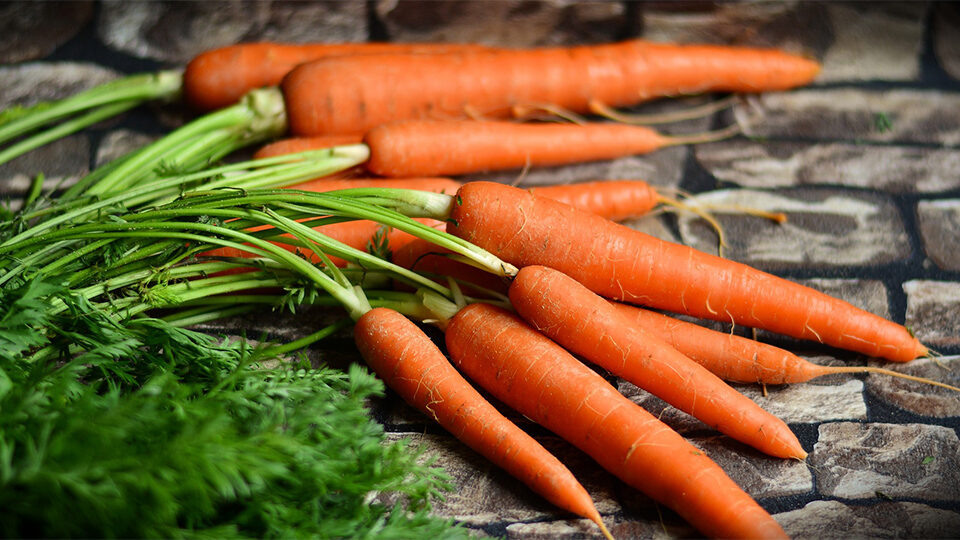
(175,32)
(946,26)
(759,475)
(856,114)
(772,164)
(939,225)
(32,30)
(824,228)
(867,461)
(917,397)
(62,163)
(33,82)
(932,308)
(834,519)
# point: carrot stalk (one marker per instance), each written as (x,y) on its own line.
(541,380)
(447,147)
(625,264)
(587,325)
(739,359)
(354,94)
(412,366)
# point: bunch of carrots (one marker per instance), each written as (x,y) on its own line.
(563,278)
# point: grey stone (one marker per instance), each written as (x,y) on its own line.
(62,163)
(547,530)
(759,475)
(867,461)
(917,397)
(940,230)
(506,23)
(794,404)
(824,228)
(120,142)
(32,30)
(833,519)
(486,494)
(856,115)
(946,27)
(177,31)
(932,308)
(769,164)
(31,83)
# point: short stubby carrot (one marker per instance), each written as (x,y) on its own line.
(455,147)
(413,367)
(738,359)
(541,380)
(624,264)
(219,77)
(587,325)
(354,94)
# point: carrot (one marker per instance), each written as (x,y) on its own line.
(452,147)
(425,257)
(541,380)
(587,325)
(621,263)
(219,77)
(302,144)
(412,365)
(354,94)
(613,199)
(434,184)
(738,359)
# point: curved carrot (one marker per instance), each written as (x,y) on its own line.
(587,325)
(412,365)
(354,94)
(541,380)
(219,77)
(453,147)
(738,359)
(621,263)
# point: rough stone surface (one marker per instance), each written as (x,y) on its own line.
(824,228)
(32,30)
(507,23)
(858,114)
(30,83)
(939,223)
(118,143)
(867,461)
(759,475)
(62,163)
(176,31)
(833,519)
(932,308)
(917,397)
(946,26)
(770,164)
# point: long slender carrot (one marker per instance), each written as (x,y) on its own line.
(412,365)
(434,184)
(293,145)
(453,147)
(541,380)
(219,77)
(354,94)
(587,325)
(425,257)
(738,359)
(621,263)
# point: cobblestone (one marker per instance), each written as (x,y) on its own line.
(917,397)
(32,30)
(833,519)
(946,25)
(932,308)
(939,223)
(824,228)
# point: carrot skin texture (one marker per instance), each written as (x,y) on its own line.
(730,357)
(302,144)
(587,325)
(615,200)
(623,264)
(220,77)
(538,378)
(412,365)
(437,147)
(361,92)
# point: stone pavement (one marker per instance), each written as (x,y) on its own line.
(864,162)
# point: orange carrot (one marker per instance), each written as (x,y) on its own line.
(587,325)
(541,380)
(412,365)
(302,144)
(621,263)
(434,184)
(354,94)
(219,77)
(424,256)
(616,200)
(738,359)
(452,147)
